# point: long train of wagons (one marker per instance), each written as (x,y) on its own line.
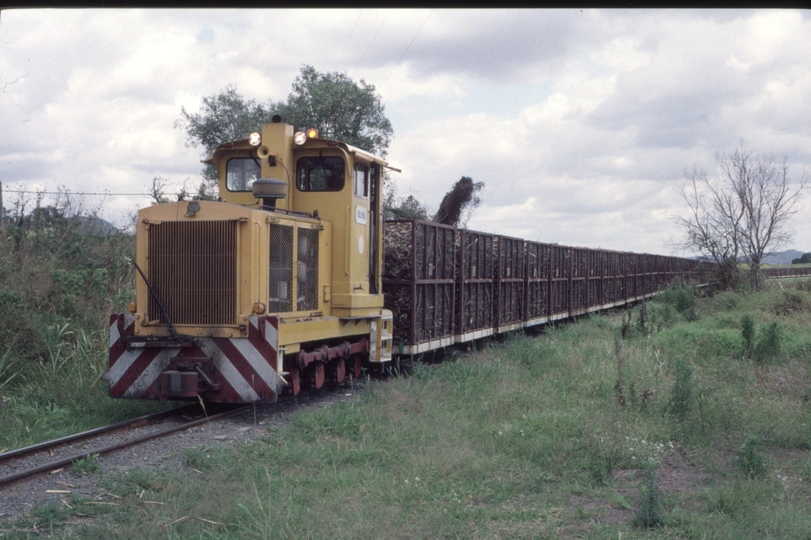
(282,282)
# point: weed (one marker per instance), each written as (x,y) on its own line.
(789,303)
(661,315)
(728,501)
(5,369)
(643,316)
(768,342)
(680,298)
(618,386)
(88,465)
(56,342)
(681,399)
(748,334)
(805,470)
(604,457)
(626,325)
(749,460)
(650,507)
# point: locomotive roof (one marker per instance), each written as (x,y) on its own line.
(349,148)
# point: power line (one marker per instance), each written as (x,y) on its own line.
(74,193)
(350,36)
(373,39)
(409,46)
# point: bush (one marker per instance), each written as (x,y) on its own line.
(59,266)
(749,460)
(680,298)
(789,303)
(650,508)
(748,334)
(768,343)
(681,399)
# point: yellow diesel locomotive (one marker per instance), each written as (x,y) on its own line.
(277,284)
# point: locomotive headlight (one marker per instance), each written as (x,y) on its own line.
(299,138)
(259,308)
(254,139)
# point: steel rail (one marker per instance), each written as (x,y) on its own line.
(126,424)
(66,462)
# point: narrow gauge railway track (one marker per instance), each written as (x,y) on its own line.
(17,466)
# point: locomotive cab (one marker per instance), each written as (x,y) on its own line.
(329,180)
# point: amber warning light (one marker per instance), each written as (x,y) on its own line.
(312,133)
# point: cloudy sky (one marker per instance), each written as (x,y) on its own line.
(580,122)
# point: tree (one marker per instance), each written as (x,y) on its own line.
(225,116)
(805,258)
(340,109)
(462,196)
(407,208)
(744,210)
(395,207)
(713,227)
(330,102)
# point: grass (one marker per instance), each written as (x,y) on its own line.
(573,434)
(62,393)
(58,285)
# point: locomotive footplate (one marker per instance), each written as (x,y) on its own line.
(158,342)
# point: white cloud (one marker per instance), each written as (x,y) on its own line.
(578,122)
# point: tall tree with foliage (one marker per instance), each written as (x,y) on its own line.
(333,103)
(462,196)
(225,116)
(340,109)
(805,258)
(744,209)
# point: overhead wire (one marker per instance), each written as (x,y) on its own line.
(409,45)
(373,39)
(350,36)
(73,193)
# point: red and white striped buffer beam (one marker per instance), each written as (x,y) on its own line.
(226,370)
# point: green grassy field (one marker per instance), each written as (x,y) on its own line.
(695,424)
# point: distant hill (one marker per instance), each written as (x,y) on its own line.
(784,257)
(96,225)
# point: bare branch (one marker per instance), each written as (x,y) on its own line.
(744,210)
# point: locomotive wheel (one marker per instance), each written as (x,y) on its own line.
(295,380)
(340,370)
(357,367)
(318,374)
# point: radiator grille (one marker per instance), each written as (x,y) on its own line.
(192,265)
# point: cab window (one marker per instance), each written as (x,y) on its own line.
(361,180)
(240,173)
(320,174)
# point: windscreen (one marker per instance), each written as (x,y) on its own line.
(240,173)
(320,174)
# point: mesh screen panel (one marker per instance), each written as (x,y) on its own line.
(281,268)
(308,269)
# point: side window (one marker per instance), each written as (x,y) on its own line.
(240,173)
(320,174)
(374,171)
(361,180)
